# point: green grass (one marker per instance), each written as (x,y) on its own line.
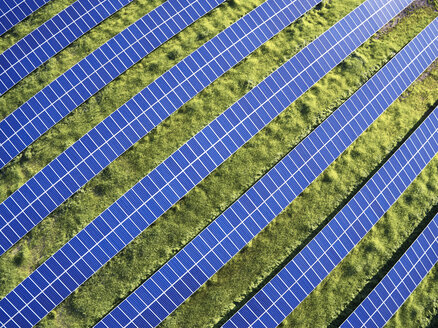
(70,55)
(354,278)
(421,308)
(123,173)
(86,116)
(289,232)
(244,274)
(30,23)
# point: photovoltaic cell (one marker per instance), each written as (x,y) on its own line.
(37,115)
(277,299)
(14,11)
(231,231)
(108,140)
(152,196)
(51,37)
(389,295)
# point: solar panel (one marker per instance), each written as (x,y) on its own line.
(27,123)
(14,11)
(230,232)
(51,37)
(299,277)
(389,295)
(129,215)
(71,170)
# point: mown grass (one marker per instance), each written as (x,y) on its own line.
(32,22)
(71,54)
(156,245)
(76,213)
(363,268)
(421,308)
(292,230)
(113,95)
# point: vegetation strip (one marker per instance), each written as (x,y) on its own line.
(389,295)
(232,13)
(229,233)
(298,278)
(36,116)
(51,37)
(426,314)
(16,11)
(137,261)
(113,136)
(116,242)
(297,225)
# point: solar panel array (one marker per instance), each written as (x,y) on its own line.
(14,11)
(231,231)
(298,278)
(389,295)
(51,37)
(60,97)
(119,131)
(153,195)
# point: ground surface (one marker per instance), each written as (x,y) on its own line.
(247,272)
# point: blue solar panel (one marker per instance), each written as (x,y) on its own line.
(14,11)
(389,295)
(51,37)
(67,173)
(27,123)
(154,194)
(277,299)
(232,230)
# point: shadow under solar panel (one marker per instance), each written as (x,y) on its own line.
(55,101)
(51,37)
(400,282)
(14,11)
(113,136)
(283,293)
(117,226)
(242,221)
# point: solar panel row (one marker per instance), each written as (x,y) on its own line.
(27,123)
(231,231)
(298,278)
(389,295)
(51,37)
(14,11)
(103,144)
(147,200)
